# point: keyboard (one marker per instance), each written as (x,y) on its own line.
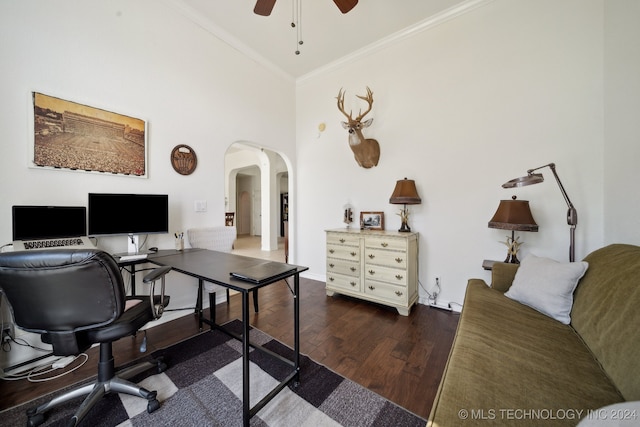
(133,257)
(57,243)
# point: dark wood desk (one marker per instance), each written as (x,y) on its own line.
(214,267)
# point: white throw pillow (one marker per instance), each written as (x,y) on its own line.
(547,285)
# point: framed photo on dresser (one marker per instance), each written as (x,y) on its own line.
(372,220)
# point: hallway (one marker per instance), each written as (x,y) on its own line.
(250,246)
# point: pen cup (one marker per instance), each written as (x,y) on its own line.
(179,244)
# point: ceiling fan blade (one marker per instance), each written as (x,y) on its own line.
(345,5)
(264,7)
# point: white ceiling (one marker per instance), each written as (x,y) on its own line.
(328,35)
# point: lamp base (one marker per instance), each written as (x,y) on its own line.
(405,228)
(513,244)
(404,220)
(511,259)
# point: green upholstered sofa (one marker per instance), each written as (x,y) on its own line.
(512,365)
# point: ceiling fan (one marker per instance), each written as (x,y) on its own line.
(264,7)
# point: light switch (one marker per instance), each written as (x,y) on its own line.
(201,205)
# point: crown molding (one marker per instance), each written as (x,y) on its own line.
(424,25)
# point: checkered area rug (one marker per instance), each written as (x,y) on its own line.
(203,387)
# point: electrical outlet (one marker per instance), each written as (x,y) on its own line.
(200,205)
(7,333)
(436,289)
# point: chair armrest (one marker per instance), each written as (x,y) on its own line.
(156,273)
(502,275)
(152,277)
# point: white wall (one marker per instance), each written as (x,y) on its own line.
(622,124)
(461,108)
(144,59)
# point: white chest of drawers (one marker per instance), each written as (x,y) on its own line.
(378,266)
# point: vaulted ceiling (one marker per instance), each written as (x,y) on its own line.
(327,34)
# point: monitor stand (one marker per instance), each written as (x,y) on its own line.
(133,247)
(132,244)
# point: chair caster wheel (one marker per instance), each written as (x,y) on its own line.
(153,405)
(35,420)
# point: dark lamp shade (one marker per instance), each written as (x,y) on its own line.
(513,215)
(405,193)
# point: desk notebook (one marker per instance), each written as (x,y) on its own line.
(262,272)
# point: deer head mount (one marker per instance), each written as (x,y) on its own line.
(365,150)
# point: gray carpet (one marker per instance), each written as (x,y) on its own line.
(203,387)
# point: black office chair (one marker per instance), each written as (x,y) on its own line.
(75,298)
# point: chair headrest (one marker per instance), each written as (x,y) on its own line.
(62,290)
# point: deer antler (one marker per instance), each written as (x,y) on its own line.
(369,99)
(340,99)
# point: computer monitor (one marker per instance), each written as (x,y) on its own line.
(112,214)
(48,222)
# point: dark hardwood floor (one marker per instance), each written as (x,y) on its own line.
(401,358)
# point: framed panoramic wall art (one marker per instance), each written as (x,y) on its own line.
(78,137)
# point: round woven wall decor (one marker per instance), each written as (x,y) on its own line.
(183,159)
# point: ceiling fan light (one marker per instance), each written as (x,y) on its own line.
(264,7)
(345,5)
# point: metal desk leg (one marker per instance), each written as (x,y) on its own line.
(245,360)
(198,309)
(296,324)
(133,280)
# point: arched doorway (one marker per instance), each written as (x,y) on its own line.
(255,180)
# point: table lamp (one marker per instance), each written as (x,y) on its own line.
(405,194)
(572,214)
(514,215)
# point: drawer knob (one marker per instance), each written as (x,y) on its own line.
(331,265)
(399,293)
(399,260)
(331,279)
(353,269)
(371,287)
(353,284)
(372,272)
(331,251)
(342,240)
(399,276)
(384,244)
(372,256)
(354,253)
